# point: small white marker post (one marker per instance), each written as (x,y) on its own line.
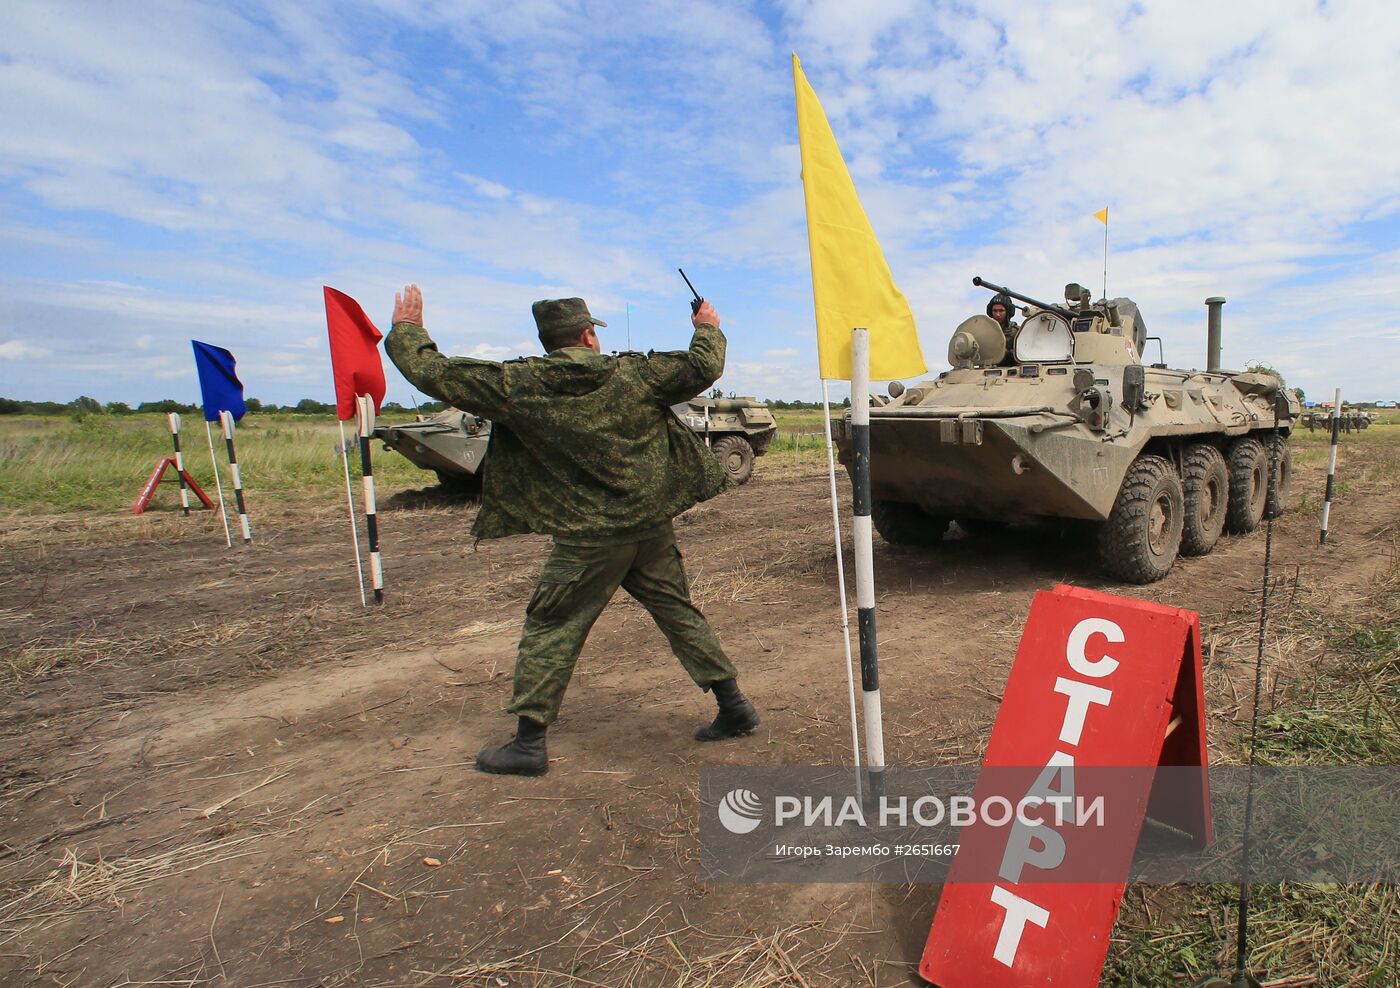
(350,502)
(173,419)
(214,465)
(1332,462)
(364,410)
(226,421)
(841,581)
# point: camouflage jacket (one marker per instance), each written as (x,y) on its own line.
(583,445)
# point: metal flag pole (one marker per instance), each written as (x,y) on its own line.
(173,419)
(214,465)
(364,411)
(350,501)
(863,536)
(226,421)
(1332,462)
(1105,252)
(1242,976)
(841,582)
(628,306)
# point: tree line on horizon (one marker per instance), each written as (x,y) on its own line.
(91,406)
(85,405)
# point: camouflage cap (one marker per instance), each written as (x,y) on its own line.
(561,313)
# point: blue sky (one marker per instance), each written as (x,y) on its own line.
(185,170)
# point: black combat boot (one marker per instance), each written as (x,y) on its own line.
(736,714)
(523,755)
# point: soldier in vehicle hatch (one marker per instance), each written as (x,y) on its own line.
(1001,308)
(585,448)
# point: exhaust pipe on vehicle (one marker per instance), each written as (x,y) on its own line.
(1213,305)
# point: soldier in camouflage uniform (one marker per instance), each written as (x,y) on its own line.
(1001,308)
(584,447)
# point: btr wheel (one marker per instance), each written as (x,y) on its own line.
(1140,540)
(736,456)
(1283,482)
(460,484)
(982,527)
(1249,485)
(1205,488)
(907,524)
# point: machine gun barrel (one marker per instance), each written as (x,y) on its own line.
(1058,309)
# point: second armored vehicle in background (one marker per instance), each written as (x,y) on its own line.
(1060,418)
(453,443)
(735,429)
(1321,418)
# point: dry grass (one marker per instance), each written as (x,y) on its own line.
(748,582)
(1332,696)
(80,883)
(655,952)
(258,633)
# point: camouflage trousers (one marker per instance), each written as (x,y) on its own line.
(575,585)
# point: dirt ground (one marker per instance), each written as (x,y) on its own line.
(233,773)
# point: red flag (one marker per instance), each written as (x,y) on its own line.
(354,353)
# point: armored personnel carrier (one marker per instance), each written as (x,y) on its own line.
(453,443)
(735,429)
(1351,419)
(1058,417)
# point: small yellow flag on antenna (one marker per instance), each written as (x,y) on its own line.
(1102,216)
(851,283)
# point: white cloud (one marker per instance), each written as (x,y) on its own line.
(20,350)
(486,351)
(1237,145)
(154,191)
(485,187)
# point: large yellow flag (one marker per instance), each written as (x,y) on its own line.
(851,283)
(1102,216)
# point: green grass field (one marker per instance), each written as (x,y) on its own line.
(98,462)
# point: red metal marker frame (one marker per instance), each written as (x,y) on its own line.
(148,491)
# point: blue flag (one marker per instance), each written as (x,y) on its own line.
(218,381)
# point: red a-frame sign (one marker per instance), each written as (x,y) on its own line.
(148,491)
(1099,680)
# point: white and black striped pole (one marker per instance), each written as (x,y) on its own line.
(214,465)
(173,419)
(226,421)
(863,536)
(841,581)
(1332,462)
(364,411)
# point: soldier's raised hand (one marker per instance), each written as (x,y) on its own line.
(408,305)
(705,314)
